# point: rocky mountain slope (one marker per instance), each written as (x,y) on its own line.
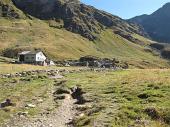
(69,29)
(157,24)
(76,17)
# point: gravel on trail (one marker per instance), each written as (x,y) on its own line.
(60,117)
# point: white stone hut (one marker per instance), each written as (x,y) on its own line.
(32,57)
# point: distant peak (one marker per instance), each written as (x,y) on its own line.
(71,0)
(167,5)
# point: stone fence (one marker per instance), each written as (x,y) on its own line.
(53,72)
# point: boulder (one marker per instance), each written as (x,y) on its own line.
(6,103)
(77,93)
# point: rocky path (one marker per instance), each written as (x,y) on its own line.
(59,117)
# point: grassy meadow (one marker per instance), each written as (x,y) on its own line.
(138,98)
(13,68)
(133,97)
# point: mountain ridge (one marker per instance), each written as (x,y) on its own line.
(77,17)
(73,33)
(157,24)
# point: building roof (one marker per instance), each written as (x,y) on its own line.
(29,52)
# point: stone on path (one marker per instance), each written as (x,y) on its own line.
(30,105)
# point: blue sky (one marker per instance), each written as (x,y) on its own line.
(127,8)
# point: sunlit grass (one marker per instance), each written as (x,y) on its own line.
(22,91)
(122,97)
(59,44)
(13,68)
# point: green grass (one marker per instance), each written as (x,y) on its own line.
(115,46)
(116,99)
(60,44)
(22,91)
(120,98)
(4,60)
(13,68)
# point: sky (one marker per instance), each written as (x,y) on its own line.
(127,8)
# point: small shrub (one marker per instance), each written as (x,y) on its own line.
(59,97)
(109,92)
(82,108)
(152,112)
(131,114)
(26,79)
(165,116)
(82,121)
(14,81)
(95,110)
(59,83)
(6,109)
(152,86)
(62,90)
(143,96)
(42,76)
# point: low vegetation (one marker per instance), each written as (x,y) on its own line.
(6,68)
(13,68)
(23,91)
(125,98)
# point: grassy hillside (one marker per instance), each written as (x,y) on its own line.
(60,44)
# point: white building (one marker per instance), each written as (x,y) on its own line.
(32,57)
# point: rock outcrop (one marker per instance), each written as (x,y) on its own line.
(7,11)
(77,17)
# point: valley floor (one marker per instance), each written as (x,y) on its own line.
(134,97)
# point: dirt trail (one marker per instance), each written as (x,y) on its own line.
(60,117)
(50,115)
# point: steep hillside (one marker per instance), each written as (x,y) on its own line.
(17,35)
(36,29)
(163,48)
(157,25)
(77,17)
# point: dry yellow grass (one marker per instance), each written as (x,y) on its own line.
(60,44)
(12,68)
